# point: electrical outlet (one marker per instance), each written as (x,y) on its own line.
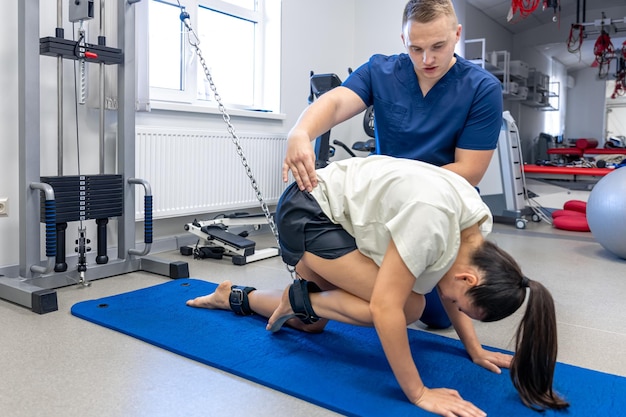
(4,206)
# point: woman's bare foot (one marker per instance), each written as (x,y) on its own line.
(282,313)
(217,300)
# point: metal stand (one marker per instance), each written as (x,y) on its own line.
(34,287)
(506,200)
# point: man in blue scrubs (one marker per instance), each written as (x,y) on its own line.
(429,103)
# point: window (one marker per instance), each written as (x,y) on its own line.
(615,109)
(554,117)
(239,41)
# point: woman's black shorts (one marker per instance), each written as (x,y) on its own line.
(303,227)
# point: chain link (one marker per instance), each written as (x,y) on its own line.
(235,139)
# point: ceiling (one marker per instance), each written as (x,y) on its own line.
(498,11)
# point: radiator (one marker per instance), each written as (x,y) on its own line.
(192,172)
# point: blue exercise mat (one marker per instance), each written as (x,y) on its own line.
(343,369)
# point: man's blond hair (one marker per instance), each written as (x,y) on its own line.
(424,11)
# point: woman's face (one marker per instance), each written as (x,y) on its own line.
(463,303)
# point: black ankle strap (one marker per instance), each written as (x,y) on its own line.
(238,300)
(300,300)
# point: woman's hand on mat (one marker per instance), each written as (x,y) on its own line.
(300,160)
(447,402)
(492,361)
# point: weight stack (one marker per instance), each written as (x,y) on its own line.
(85,197)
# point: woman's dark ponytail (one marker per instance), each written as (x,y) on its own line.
(532,368)
(501,293)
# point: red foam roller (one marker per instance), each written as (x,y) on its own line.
(586,143)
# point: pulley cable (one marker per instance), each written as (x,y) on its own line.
(194,41)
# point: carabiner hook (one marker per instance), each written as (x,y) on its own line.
(184,17)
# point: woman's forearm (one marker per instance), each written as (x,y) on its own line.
(392,332)
(464,328)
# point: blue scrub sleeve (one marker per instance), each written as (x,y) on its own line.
(360,81)
(482,127)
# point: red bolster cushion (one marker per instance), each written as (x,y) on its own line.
(572,223)
(560,213)
(576,205)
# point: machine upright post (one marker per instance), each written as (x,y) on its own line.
(29,133)
(101,90)
(126,124)
(59,93)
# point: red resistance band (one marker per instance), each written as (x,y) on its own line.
(603,49)
(604,52)
(575,42)
(525,7)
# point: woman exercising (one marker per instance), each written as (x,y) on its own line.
(370,240)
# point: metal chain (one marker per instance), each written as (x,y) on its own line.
(235,138)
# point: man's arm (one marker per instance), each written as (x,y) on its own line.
(332,108)
(470,164)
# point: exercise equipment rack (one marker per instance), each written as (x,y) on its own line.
(50,199)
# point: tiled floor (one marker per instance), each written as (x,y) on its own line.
(58,365)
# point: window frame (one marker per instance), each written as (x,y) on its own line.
(266,73)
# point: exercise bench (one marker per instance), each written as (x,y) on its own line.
(216,241)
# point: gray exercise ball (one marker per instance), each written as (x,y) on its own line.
(606,212)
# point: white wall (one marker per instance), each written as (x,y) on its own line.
(585,118)
(532,121)
(378,29)
(317,36)
(9,133)
(478,25)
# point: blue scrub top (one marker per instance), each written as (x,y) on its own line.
(464,108)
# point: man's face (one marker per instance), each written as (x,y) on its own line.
(431,46)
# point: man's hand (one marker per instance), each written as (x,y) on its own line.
(300,160)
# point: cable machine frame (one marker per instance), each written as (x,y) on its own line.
(35,286)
